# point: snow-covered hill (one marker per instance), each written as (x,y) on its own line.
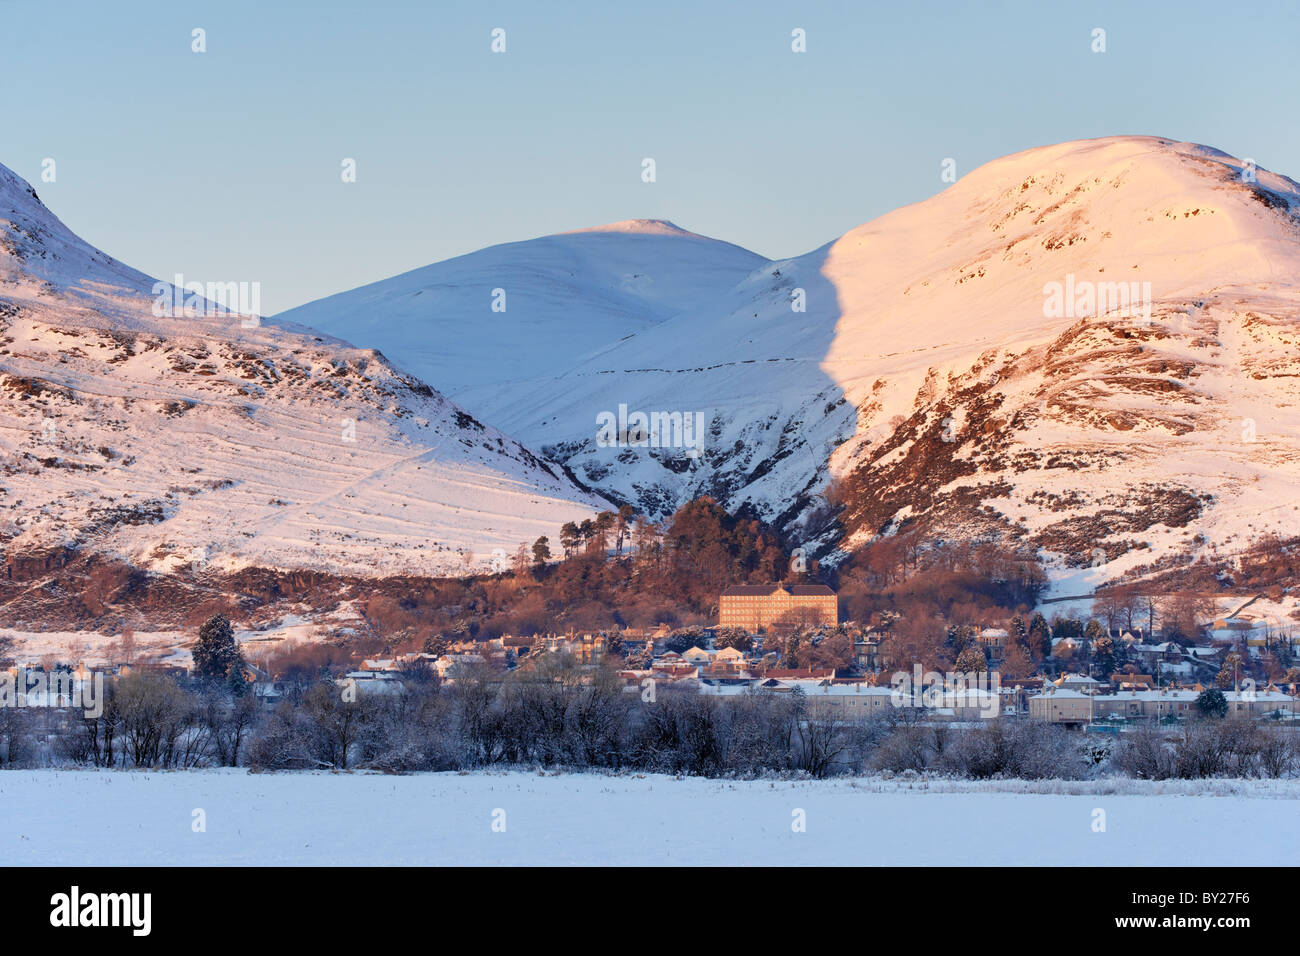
(1114,436)
(518,310)
(1118,434)
(174,441)
(40,254)
(934,371)
(926,361)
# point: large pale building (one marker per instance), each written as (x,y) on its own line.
(753,606)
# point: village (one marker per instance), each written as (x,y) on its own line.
(1161,680)
(787,640)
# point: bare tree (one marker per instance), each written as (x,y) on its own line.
(154,713)
(339,724)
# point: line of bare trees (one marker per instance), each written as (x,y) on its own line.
(558,716)
(1210,748)
(149,720)
(554,720)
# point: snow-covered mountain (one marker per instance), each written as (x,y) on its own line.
(521,309)
(1095,430)
(37,247)
(928,360)
(216,442)
(1115,433)
(1090,347)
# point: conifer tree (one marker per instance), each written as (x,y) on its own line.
(216,655)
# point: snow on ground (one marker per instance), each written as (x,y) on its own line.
(95,649)
(1166,427)
(124,818)
(1069,598)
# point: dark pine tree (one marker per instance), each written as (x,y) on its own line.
(216,655)
(1212,703)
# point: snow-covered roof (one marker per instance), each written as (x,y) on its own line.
(1062,693)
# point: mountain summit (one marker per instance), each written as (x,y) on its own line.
(641,227)
(534,307)
(1090,347)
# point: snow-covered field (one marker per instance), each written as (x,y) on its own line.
(517,818)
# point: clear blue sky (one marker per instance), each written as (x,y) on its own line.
(225,166)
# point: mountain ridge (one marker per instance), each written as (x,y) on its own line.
(924,309)
(498,313)
(173,440)
(1087,348)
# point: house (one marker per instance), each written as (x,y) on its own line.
(1152,654)
(1232,629)
(729,655)
(356,683)
(1060,706)
(670,671)
(268,693)
(866,654)
(1259,703)
(697,656)
(1132,681)
(1015,697)
(824,698)
(448,664)
(589,648)
(727,663)
(754,606)
(1071,707)
(1080,682)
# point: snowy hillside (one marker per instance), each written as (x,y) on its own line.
(561,298)
(935,373)
(1121,431)
(176,442)
(40,253)
(1091,347)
